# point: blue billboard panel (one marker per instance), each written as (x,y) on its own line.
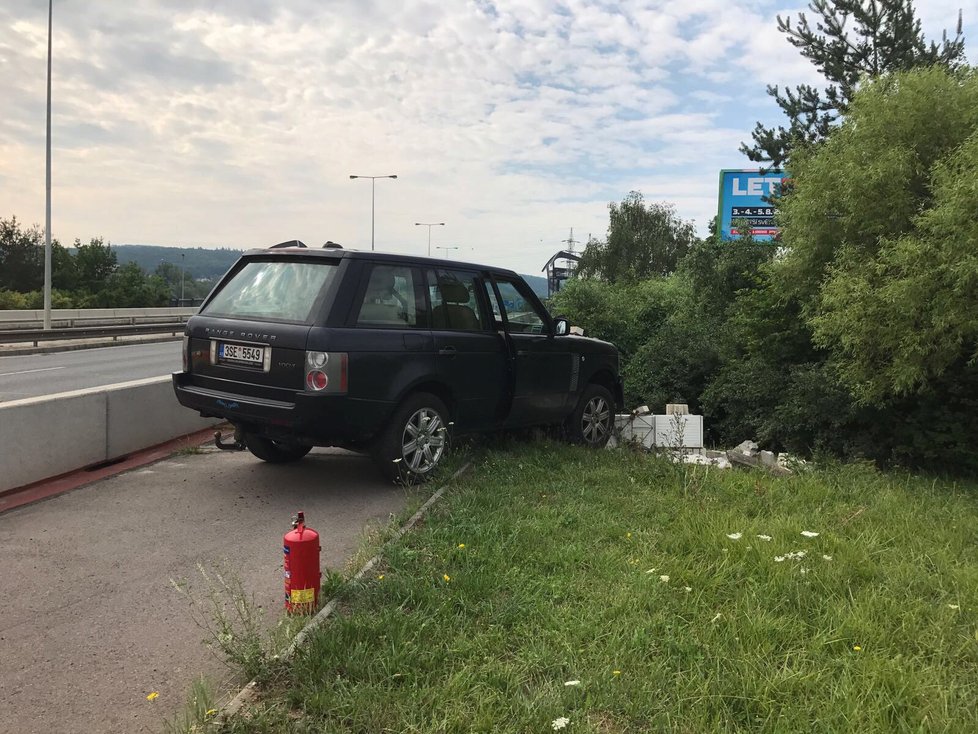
(745,195)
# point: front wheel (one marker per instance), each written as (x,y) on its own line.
(415,440)
(275,452)
(593,419)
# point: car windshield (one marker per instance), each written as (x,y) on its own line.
(277,290)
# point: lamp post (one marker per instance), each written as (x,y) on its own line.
(47,187)
(373,181)
(183,277)
(429,225)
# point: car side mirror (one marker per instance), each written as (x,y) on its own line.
(561,326)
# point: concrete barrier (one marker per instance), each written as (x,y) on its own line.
(69,317)
(47,436)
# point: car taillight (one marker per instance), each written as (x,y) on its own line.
(316,380)
(186,353)
(326,372)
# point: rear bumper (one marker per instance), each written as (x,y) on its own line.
(325,420)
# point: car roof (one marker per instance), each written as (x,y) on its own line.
(288,249)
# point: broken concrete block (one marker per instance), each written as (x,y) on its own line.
(747,448)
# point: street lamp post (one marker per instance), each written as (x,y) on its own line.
(373,180)
(47,187)
(429,225)
(183,276)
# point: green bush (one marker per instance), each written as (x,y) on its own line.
(12,300)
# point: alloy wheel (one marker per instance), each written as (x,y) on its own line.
(596,420)
(423,441)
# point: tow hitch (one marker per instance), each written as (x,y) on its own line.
(237,444)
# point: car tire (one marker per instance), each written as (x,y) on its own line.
(593,420)
(415,440)
(275,452)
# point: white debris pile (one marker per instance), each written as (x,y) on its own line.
(679,435)
(747,453)
(720,462)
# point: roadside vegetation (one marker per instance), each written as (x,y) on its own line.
(615,592)
(88,275)
(856,333)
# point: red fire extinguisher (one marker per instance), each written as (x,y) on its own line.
(301,568)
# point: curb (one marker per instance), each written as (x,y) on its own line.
(250,691)
(11,499)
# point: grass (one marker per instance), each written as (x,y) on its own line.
(551,564)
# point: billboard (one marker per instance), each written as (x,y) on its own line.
(744,194)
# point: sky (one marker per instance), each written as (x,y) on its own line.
(238,123)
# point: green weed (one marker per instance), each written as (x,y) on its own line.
(198,716)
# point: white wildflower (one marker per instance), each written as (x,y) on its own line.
(826,558)
(651,570)
(687,589)
(803,570)
(954,606)
(560,722)
(664,579)
(734,536)
(716,617)
(809,534)
(765,537)
(779,559)
(572,683)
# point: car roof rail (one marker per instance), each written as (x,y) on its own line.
(333,245)
(290,243)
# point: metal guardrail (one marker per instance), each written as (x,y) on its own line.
(21,336)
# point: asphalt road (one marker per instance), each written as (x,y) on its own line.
(90,623)
(33,375)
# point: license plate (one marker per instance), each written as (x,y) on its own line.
(241,354)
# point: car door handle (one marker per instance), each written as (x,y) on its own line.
(448,351)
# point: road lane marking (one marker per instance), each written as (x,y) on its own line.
(26,372)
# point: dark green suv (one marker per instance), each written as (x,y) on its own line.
(300,347)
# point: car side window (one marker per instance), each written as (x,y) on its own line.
(522,316)
(389,300)
(454,301)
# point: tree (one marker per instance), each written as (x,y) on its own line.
(898,303)
(64,273)
(861,337)
(95,262)
(130,287)
(643,241)
(173,275)
(852,41)
(21,256)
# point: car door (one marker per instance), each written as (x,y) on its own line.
(543,366)
(471,357)
(387,335)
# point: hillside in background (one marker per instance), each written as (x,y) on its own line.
(212,264)
(198,262)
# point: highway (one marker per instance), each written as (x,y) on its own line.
(34,375)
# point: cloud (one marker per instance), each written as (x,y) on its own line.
(239,123)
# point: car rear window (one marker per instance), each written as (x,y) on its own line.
(277,290)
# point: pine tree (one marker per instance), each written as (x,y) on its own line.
(851,40)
